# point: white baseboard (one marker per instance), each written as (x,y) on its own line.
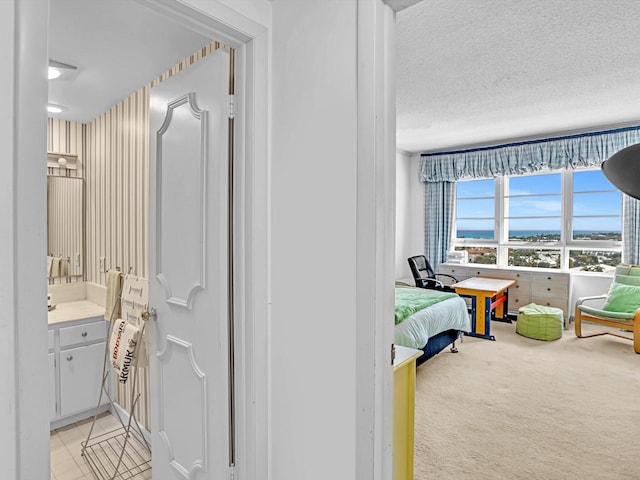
(124,416)
(69,419)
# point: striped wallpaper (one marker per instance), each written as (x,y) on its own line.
(115,161)
(65,233)
(66,138)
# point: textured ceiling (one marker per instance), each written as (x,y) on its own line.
(473,73)
(468,72)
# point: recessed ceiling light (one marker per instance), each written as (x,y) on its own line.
(56,69)
(52,108)
(54,73)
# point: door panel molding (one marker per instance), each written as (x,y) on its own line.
(178,126)
(185,437)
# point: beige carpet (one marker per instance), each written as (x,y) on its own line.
(519,408)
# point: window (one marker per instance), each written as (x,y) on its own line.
(534,208)
(475,219)
(475,209)
(596,208)
(560,220)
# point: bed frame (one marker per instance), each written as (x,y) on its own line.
(438,343)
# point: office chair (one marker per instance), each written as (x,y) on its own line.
(425,277)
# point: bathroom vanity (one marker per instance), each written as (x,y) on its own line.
(77,329)
(77,337)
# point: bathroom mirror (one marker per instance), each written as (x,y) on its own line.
(65,228)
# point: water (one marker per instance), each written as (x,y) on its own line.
(488,234)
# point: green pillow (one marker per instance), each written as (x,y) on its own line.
(627,279)
(622,298)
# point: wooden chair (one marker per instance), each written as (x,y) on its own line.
(623,321)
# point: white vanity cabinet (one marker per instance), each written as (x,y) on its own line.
(80,378)
(543,287)
(53,409)
(51,365)
(76,365)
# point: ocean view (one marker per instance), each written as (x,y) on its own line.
(526,233)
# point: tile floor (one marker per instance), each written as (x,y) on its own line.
(66,461)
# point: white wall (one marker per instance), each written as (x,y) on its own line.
(321,254)
(409,212)
(585,285)
(313,239)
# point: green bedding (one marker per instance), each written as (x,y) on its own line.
(409,300)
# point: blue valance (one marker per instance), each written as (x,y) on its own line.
(568,152)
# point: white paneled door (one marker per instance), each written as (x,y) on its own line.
(189,354)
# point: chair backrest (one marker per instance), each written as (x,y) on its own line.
(420,268)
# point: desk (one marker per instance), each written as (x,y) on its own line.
(490,297)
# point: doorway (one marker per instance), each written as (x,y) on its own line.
(245,57)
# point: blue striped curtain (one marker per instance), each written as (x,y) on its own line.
(438,171)
(630,230)
(438,202)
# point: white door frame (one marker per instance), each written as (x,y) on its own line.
(24,438)
(249,39)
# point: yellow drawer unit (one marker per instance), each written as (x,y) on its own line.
(404,388)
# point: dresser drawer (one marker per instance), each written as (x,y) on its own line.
(459,272)
(507,275)
(549,290)
(558,302)
(517,301)
(550,280)
(479,272)
(89,332)
(520,288)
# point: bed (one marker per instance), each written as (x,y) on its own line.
(429,320)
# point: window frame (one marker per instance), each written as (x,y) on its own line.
(493,217)
(566,244)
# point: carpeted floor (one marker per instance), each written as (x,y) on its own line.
(519,408)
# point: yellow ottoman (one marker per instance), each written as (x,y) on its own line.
(540,323)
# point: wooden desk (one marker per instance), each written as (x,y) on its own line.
(404,367)
(490,297)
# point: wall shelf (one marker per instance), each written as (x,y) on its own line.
(70,160)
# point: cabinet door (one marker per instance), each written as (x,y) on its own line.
(52,386)
(80,378)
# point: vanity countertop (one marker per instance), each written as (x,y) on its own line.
(68,311)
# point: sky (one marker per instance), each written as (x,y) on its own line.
(535,203)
